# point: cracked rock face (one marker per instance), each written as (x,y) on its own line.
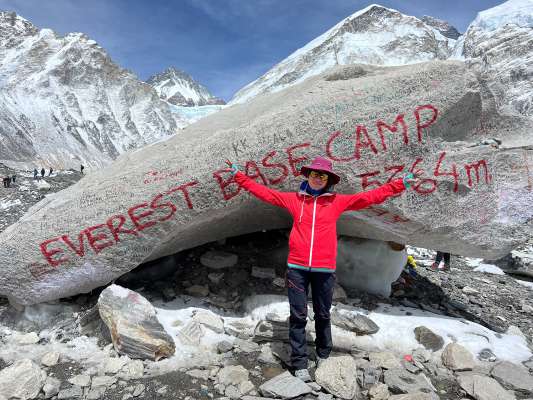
(474,198)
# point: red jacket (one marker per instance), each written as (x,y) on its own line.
(313,239)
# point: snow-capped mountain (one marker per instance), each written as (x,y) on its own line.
(443,27)
(499,44)
(180,89)
(373,35)
(64,102)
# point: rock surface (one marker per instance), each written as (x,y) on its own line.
(512,376)
(484,388)
(429,339)
(133,325)
(457,358)
(23,380)
(336,375)
(401,381)
(469,189)
(285,386)
(352,321)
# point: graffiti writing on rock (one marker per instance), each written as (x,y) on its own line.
(241,145)
(136,219)
(157,176)
(363,140)
(272,162)
(272,169)
(427,185)
(386,216)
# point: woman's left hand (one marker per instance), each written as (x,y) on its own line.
(411,181)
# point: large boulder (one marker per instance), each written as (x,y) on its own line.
(374,123)
(133,324)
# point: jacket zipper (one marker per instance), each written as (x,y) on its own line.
(312,234)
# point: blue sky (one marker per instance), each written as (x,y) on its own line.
(223,44)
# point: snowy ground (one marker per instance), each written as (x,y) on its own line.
(396,328)
(25,192)
(396,334)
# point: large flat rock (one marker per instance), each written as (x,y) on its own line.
(374,123)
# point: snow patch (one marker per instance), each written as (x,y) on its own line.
(517,12)
(525,283)
(489,269)
(4,205)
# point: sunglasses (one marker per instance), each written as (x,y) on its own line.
(314,174)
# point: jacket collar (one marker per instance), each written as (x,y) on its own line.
(304,192)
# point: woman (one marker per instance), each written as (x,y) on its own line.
(313,247)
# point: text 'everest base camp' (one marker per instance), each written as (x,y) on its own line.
(155,273)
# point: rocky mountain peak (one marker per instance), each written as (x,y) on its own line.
(180,89)
(14,29)
(169,73)
(367,19)
(374,35)
(442,26)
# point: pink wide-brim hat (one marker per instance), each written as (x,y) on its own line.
(323,165)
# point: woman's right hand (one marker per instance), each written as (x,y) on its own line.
(234,169)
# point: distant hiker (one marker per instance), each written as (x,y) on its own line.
(42,172)
(6,181)
(438,259)
(35,173)
(315,209)
(50,172)
(81,169)
(13,177)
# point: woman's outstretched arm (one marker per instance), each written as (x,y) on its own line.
(274,197)
(361,200)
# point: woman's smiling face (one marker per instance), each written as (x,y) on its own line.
(317,180)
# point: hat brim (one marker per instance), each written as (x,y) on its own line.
(333,178)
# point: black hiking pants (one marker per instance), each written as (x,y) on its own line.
(440,256)
(322,285)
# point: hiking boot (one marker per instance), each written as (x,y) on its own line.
(303,375)
(446,267)
(319,360)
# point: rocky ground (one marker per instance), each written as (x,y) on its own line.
(25,191)
(64,350)
(492,300)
